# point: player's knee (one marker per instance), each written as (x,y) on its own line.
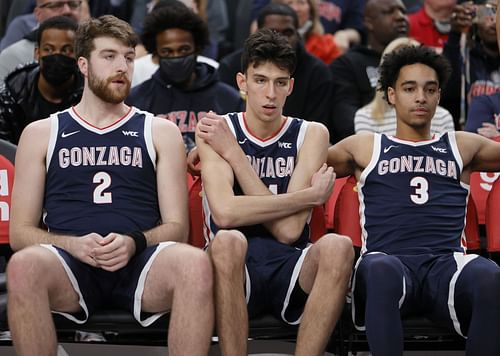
(377,268)
(333,247)
(26,269)
(487,287)
(196,268)
(229,247)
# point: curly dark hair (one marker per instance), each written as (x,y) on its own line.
(266,45)
(174,14)
(394,61)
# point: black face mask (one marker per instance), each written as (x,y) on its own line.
(178,69)
(57,68)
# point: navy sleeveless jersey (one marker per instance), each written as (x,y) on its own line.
(101,180)
(273,160)
(411,197)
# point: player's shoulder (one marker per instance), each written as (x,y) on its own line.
(35,136)
(316,128)
(38,128)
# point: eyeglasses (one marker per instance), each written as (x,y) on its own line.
(58,5)
(487,11)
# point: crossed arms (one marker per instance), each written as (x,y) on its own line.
(284,215)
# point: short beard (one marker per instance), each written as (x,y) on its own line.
(100,87)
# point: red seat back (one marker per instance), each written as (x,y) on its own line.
(332,201)
(317,223)
(7,156)
(346,220)
(480,186)
(196,237)
(472,239)
(493,218)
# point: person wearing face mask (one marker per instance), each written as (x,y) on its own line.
(36,90)
(431,24)
(182,89)
(21,51)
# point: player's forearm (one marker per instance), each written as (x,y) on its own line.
(168,231)
(241,210)
(24,236)
(287,230)
(248,180)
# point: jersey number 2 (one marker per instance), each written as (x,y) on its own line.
(104,181)
(421,186)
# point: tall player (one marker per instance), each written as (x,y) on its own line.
(413,190)
(110,180)
(260,240)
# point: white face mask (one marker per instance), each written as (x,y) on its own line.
(443,27)
(305,28)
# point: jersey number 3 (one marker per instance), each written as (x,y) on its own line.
(103,181)
(421,186)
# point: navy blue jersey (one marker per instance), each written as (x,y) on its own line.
(101,180)
(273,160)
(411,196)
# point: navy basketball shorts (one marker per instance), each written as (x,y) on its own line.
(272,271)
(429,286)
(97,288)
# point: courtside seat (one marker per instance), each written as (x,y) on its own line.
(419,332)
(472,236)
(493,219)
(7,156)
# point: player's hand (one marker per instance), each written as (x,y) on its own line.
(193,162)
(83,247)
(215,131)
(462,16)
(322,184)
(488,130)
(114,252)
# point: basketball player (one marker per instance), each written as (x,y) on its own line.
(262,173)
(413,190)
(110,180)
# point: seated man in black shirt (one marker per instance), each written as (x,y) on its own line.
(36,90)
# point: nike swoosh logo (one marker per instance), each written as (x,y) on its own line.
(388,148)
(64,134)
(242,142)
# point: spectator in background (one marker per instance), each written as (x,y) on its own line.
(484,111)
(344,19)
(311,93)
(431,24)
(479,68)
(355,74)
(22,51)
(19,27)
(182,89)
(10,9)
(484,115)
(147,64)
(53,83)
(310,29)
(239,13)
(379,116)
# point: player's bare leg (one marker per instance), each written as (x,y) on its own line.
(37,283)
(325,276)
(180,279)
(228,252)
